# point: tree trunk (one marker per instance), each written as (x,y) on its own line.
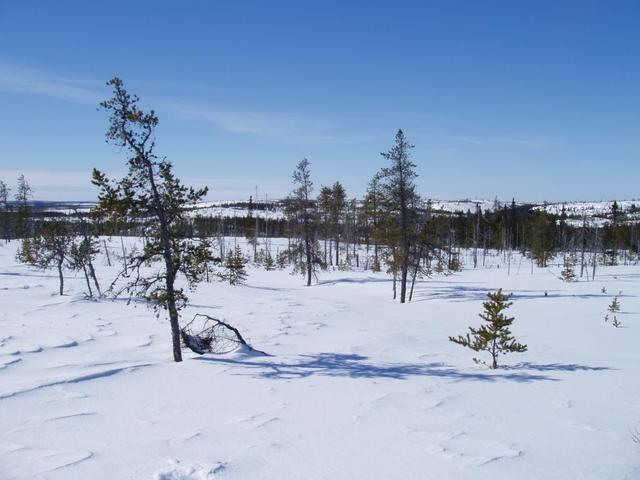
(92,273)
(174,318)
(307,247)
(86,277)
(106,251)
(61,277)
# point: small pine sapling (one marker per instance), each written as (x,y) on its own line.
(616,323)
(269,264)
(494,337)
(614,306)
(568,274)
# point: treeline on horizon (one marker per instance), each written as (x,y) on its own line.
(507,226)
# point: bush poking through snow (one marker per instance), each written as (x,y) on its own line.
(205,334)
(495,336)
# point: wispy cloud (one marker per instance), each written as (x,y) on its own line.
(31,82)
(255,123)
(282,126)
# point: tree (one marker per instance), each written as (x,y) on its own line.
(401,199)
(23,212)
(81,255)
(541,237)
(235,273)
(4,208)
(614,306)
(567,274)
(495,336)
(48,249)
(302,210)
(373,210)
(338,203)
(151,193)
(325,203)
(269,264)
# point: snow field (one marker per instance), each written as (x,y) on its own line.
(356,385)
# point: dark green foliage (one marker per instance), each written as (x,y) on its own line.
(567,274)
(269,264)
(401,202)
(493,337)
(234,267)
(614,306)
(303,216)
(23,212)
(542,235)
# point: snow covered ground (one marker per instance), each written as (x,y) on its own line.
(356,386)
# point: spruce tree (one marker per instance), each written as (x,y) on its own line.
(4,211)
(23,210)
(614,306)
(338,203)
(401,201)
(269,264)
(568,274)
(493,337)
(302,213)
(235,272)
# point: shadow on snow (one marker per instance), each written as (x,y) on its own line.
(357,366)
(464,294)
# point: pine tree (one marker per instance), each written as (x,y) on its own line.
(303,215)
(372,207)
(81,255)
(23,211)
(269,264)
(325,202)
(401,201)
(614,306)
(4,211)
(493,337)
(152,194)
(235,272)
(338,203)
(48,249)
(568,274)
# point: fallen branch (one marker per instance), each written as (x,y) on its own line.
(205,334)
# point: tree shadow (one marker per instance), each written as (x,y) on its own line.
(358,366)
(468,294)
(336,281)
(555,367)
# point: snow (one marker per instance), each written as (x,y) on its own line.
(356,386)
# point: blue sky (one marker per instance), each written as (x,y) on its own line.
(534,100)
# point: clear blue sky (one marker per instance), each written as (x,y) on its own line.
(528,99)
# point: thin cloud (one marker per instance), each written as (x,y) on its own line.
(31,82)
(287,127)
